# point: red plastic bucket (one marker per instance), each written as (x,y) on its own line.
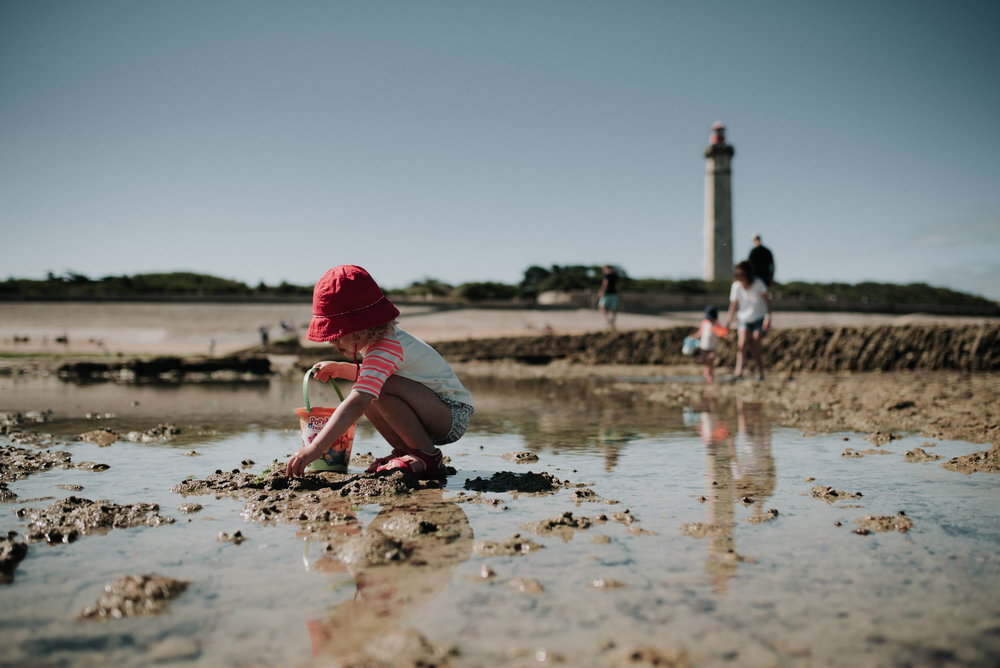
(338,455)
(312,419)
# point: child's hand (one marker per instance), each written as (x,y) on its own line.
(324,371)
(300,460)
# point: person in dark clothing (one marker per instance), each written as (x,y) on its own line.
(607,296)
(762,261)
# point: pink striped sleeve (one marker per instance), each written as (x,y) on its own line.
(380,362)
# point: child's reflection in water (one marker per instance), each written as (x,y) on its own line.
(401,561)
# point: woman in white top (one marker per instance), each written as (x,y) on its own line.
(750,302)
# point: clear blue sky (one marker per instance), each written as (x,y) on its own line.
(467,140)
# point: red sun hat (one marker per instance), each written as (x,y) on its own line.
(347,299)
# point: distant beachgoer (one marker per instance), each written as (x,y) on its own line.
(762,261)
(708,341)
(750,303)
(607,297)
(401,384)
(264,339)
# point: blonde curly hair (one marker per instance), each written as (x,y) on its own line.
(379,331)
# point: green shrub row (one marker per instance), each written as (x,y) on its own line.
(536,280)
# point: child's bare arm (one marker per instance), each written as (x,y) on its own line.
(730,314)
(324,371)
(346,414)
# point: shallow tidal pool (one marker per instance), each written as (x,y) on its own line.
(733,556)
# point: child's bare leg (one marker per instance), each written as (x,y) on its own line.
(708,360)
(756,348)
(741,342)
(408,414)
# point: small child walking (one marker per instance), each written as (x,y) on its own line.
(708,341)
(401,384)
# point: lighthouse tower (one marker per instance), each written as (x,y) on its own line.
(718,207)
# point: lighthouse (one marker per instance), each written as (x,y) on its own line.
(718,207)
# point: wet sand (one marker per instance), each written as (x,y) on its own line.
(109,329)
(953,403)
(587,524)
(935,404)
(880,408)
(948,403)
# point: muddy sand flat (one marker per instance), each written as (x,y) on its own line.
(197,329)
(597,515)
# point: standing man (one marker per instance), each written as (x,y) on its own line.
(762,261)
(607,296)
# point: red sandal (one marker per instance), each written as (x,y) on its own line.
(381,461)
(416,463)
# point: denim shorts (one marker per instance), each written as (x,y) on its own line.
(753,325)
(461,414)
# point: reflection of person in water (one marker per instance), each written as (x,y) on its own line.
(738,468)
(611,437)
(422,562)
(753,465)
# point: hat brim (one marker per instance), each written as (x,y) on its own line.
(328,328)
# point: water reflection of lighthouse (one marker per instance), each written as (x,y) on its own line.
(739,469)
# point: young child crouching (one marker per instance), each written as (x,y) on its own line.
(401,384)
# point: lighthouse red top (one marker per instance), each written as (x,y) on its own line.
(718,134)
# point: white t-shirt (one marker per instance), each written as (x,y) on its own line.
(751,304)
(709,339)
(407,356)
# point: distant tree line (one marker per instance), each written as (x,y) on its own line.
(884,293)
(536,280)
(142,286)
(565,278)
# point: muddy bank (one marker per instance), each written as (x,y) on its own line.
(193,369)
(924,347)
(929,347)
(131,595)
(950,405)
(66,520)
(936,405)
